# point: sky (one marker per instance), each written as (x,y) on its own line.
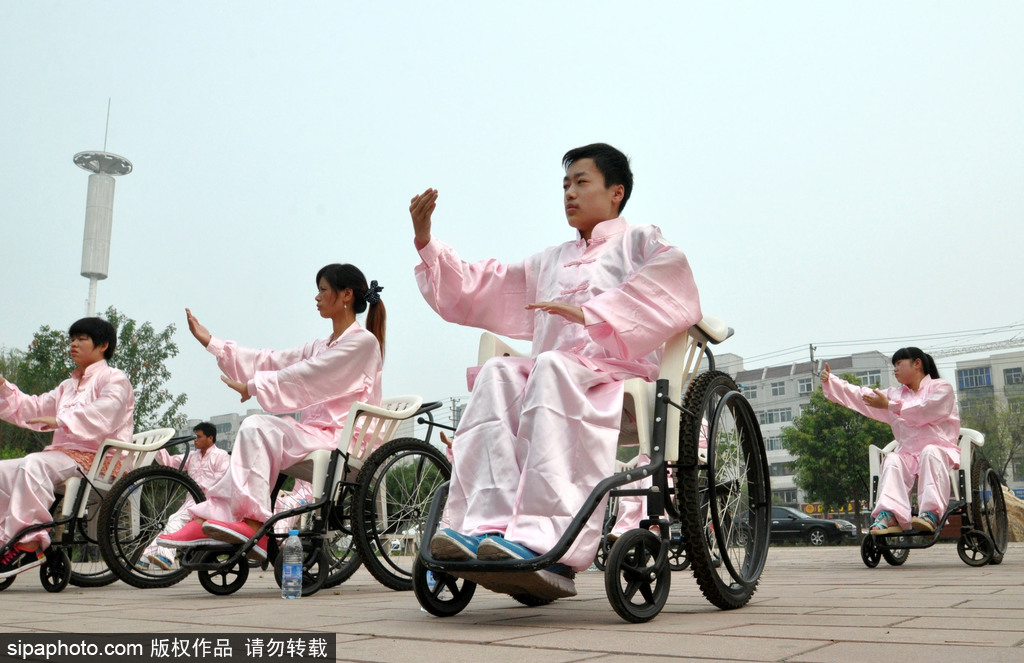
(847,175)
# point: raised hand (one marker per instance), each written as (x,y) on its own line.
(241,387)
(826,373)
(421,208)
(201,333)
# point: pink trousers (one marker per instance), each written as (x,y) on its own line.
(264,446)
(534,440)
(931,469)
(27,492)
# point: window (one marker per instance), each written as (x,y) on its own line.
(749,391)
(774,443)
(973,378)
(1013,375)
(870,378)
(804,386)
(223,428)
(780,469)
(778,388)
(776,415)
(784,496)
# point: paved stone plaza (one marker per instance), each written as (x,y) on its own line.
(814,604)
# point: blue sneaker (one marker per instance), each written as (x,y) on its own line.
(161,561)
(499,548)
(452,546)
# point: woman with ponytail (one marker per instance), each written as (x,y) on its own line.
(923,414)
(320,380)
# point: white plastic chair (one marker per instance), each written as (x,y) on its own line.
(366,429)
(113,460)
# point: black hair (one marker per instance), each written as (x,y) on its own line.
(912,353)
(207,429)
(97,329)
(342,277)
(613,164)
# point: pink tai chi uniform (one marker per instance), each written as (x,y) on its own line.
(321,380)
(926,426)
(91,406)
(539,433)
(206,468)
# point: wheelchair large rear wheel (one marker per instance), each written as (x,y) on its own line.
(134,513)
(723,490)
(396,486)
(988,505)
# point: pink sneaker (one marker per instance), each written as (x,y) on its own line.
(187,537)
(237,533)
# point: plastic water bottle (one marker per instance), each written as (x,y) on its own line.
(291,568)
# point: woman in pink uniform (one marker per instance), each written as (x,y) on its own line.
(923,414)
(539,433)
(96,403)
(320,380)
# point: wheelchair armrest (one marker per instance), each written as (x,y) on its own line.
(492,346)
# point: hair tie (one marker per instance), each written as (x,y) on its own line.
(372,295)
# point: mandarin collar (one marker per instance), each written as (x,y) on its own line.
(352,327)
(89,370)
(604,230)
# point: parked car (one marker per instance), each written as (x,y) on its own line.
(789,524)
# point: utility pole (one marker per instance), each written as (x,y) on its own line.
(813,368)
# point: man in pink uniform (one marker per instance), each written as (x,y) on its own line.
(95,404)
(923,414)
(206,465)
(539,433)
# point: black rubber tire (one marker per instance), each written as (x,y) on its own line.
(403,474)
(446,597)
(870,554)
(55,573)
(895,556)
(226,579)
(315,569)
(340,541)
(636,586)
(988,505)
(531,601)
(156,492)
(975,548)
(677,557)
(729,489)
(6,582)
(817,537)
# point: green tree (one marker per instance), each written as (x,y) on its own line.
(831,443)
(1002,426)
(142,353)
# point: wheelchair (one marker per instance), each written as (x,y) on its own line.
(74,555)
(369,498)
(708,470)
(977,498)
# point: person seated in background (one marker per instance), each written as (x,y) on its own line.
(95,404)
(923,414)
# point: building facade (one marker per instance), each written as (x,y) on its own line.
(778,395)
(995,380)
